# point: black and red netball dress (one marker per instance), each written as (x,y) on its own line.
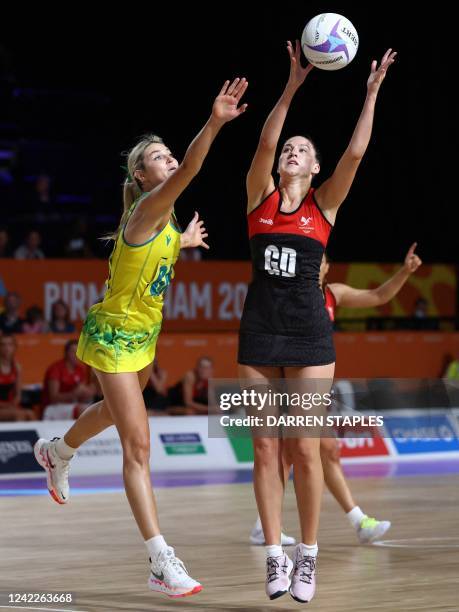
(285,322)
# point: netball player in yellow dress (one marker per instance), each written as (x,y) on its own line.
(119,335)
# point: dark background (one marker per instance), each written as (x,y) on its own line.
(79,88)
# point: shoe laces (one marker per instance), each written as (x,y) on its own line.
(274,565)
(170,560)
(306,566)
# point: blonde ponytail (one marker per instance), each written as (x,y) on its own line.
(132,187)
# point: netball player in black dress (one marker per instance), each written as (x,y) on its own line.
(285,329)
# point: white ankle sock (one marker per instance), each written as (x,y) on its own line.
(311,551)
(355,517)
(64,451)
(275,550)
(258,526)
(155,545)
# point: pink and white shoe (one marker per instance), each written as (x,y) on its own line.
(168,575)
(303,584)
(57,469)
(278,570)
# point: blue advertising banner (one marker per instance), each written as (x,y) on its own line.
(16,451)
(422,434)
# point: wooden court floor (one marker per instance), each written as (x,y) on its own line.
(91,548)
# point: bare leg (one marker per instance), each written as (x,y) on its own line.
(92,421)
(333,474)
(304,454)
(308,482)
(268,483)
(124,398)
(97,417)
(268,471)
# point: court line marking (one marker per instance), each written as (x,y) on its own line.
(419,543)
(43,609)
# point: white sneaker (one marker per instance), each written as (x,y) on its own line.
(370,529)
(57,469)
(303,585)
(257,538)
(278,581)
(168,575)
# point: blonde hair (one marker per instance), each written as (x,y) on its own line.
(132,187)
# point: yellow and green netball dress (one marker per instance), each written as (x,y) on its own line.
(120,333)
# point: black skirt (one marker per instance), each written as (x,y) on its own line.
(284,351)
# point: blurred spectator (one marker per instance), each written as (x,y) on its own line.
(191,394)
(155,393)
(60,319)
(5,250)
(420,308)
(10,322)
(35,321)
(42,189)
(30,249)
(191,254)
(66,390)
(78,246)
(421,318)
(10,383)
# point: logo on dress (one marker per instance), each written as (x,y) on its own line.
(267,221)
(168,239)
(304,225)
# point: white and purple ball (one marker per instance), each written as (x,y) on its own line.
(329,41)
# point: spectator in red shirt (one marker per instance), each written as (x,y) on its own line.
(66,381)
(10,383)
(191,394)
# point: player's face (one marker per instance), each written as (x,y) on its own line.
(298,158)
(158,163)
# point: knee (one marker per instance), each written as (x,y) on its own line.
(329,452)
(287,453)
(266,451)
(305,455)
(136,450)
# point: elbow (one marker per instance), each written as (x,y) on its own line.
(267,144)
(356,155)
(380,299)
